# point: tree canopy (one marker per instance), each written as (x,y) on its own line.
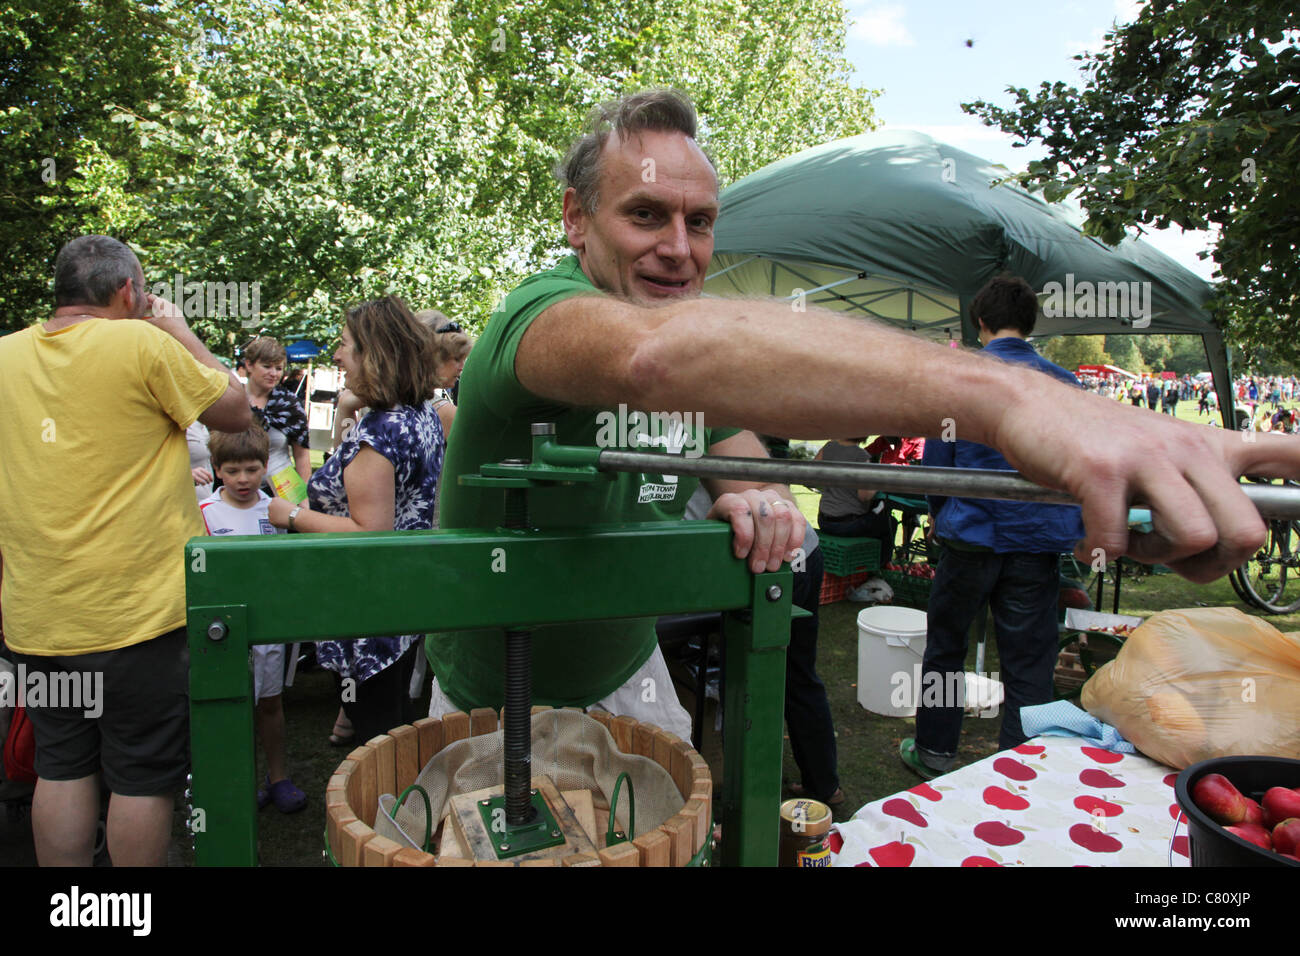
(1190,115)
(335,150)
(1183,354)
(68,169)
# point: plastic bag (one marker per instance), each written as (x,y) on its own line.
(1199,683)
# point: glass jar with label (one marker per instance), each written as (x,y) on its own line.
(805,824)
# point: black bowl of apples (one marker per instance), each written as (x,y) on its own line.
(1242,811)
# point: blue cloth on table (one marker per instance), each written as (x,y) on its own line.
(1060,718)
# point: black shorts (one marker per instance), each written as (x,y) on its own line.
(125,714)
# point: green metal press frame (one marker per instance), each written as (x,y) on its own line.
(240,592)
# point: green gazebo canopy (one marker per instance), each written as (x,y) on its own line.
(899,227)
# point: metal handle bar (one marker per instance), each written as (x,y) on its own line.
(1272,501)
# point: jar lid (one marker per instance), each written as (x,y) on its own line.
(813,817)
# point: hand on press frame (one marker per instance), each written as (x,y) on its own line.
(767,526)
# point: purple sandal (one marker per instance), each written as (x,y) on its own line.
(286,797)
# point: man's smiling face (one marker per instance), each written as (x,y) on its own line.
(651,236)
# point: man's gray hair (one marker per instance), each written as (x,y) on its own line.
(90,269)
(660,110)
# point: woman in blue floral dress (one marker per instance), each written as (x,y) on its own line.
(382,477)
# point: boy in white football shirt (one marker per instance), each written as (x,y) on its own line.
(239,506)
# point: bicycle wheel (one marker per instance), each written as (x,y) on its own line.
(1234,578)
(1265,577)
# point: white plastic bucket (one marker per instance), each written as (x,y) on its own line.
(891,645)
(891,648)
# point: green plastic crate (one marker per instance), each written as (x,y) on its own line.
(844,556)
(909,589)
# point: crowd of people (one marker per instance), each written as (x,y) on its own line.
(101,395)
(1266,399)
(1261,401)
(1158,393)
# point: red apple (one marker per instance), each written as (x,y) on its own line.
(927,791)
(1090,838)
(1102,756)
(1099,778)
(1279,804)
(893,854)
(997,834)
(1254,812)
(1252,834)
(1004,799)
(1014,769)
(979,861)
(1031,750)
(1286,836)
(1090,805)
(898,807)
(1215,796)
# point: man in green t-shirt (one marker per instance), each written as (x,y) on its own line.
(605,664)
(621,323)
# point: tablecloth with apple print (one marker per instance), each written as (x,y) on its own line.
(1054,801)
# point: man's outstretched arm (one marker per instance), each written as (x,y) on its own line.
(840,377)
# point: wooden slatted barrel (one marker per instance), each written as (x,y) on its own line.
(391,762)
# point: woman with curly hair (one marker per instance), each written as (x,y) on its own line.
(382,477)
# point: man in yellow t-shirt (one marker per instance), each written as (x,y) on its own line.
(96,503)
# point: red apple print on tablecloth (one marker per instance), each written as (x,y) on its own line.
(1102,756)
(1090,838)
(1169,779)
(979,861)
(1175,810)
(1180,845)
(893,854)
(927,791)
(1090,805)
(1004,799)
(1029,749)
(997,834)
(1099,778)
(835,842)
(1014,769)
(904,811)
